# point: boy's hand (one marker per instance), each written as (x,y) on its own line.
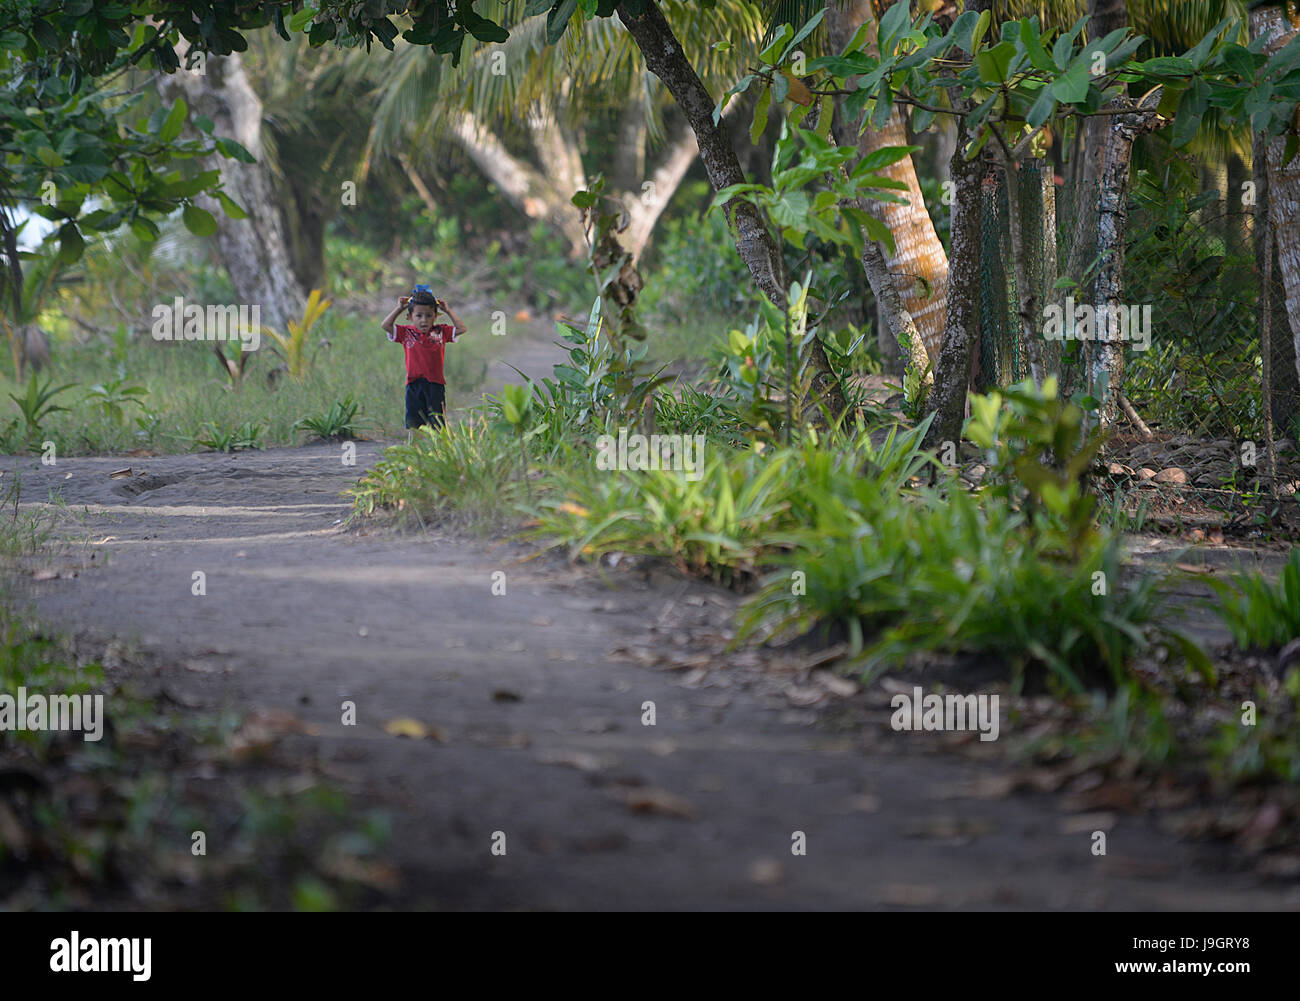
(402,301)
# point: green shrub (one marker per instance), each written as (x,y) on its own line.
(467,470)
(336,423)
(1261,615)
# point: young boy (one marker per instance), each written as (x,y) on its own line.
(423,342)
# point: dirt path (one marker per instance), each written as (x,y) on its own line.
(541,719)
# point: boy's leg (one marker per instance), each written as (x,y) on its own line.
(413,404)
(437,404)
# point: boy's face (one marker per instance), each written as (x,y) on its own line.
(423,316)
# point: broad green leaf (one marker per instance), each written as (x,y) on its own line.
(1072,86)
(198,221)
(1241,62)
(1042,108)
(1174,66)
(761,110)
(71,244)
(1033,42)
(174,122)
(770,54)
(1198,53)
(1191,109)
(883,157)
(230,206)
(892,23)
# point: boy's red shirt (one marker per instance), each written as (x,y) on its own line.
(423,352)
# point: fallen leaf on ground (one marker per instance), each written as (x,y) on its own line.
(118,474)
(1088,822)
(261,729)
(404,726)
(659,801)
(45,575)
(581,760)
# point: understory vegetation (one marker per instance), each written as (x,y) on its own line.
(854,534)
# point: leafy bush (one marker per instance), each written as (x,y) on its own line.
(543,273)
(1261,615)
(292,348)
(465,469)
(744,508)
(36,404)
(113,396)
(692,269)
(948,574)
(338,422)
(230,439)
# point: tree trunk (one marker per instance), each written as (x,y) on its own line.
(1283,195)
(255,251)
(1112,227)
(1104,17)
(1284,387)
(628,169)
(665,58)
(962,313)
(646,205)
(962,319)
(919,266)
(525,187)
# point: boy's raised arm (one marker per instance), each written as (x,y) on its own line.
(460,327)
(387,325)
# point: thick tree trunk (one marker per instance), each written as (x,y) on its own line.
(919,266)
(665,58)
(256,250)
(1283,194)
(1284,384)
(1104,17)
(1107,365)
(962,319)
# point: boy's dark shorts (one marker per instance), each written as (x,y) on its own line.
(425,403)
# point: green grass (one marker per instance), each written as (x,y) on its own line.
(188,395)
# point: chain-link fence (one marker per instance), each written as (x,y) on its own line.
(1192,443)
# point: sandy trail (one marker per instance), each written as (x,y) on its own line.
(543,738)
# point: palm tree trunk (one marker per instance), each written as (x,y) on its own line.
(646,204)
(528,189)
(918,268)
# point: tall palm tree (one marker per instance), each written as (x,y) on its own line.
(523,91)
